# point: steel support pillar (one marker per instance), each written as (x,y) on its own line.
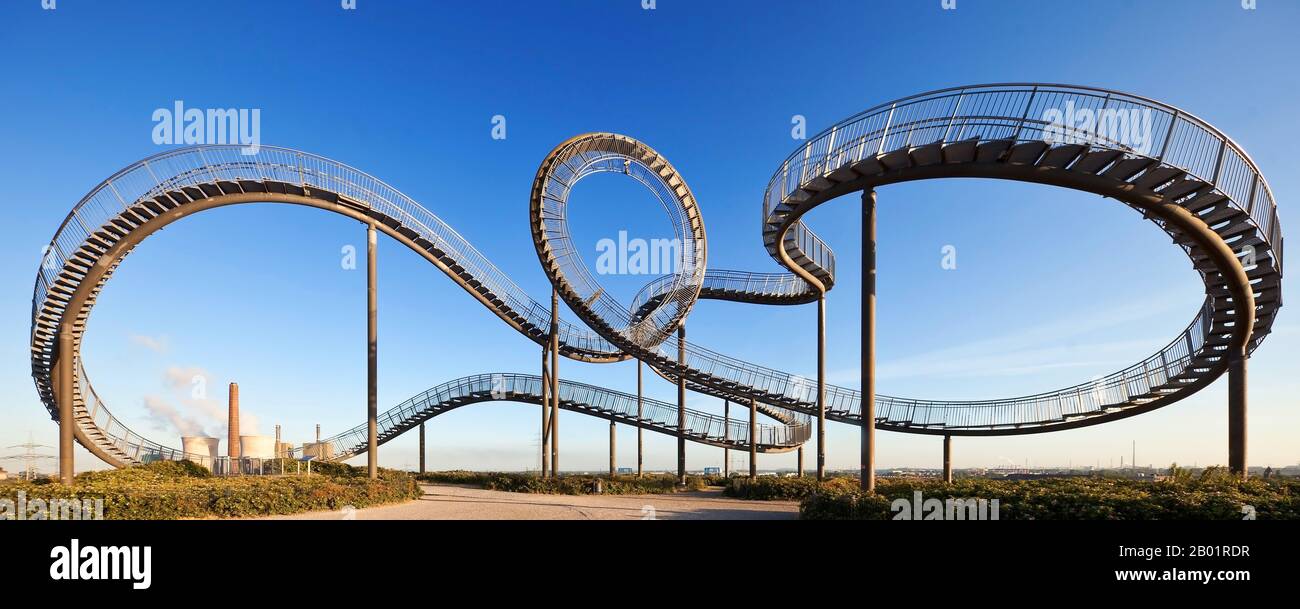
(681,406)
(868,405)
(421,448)
(753,439)
(555,383)
(821,390)
(799,465)
(947,459)
(640,405)
(63,383)
(372,367)
(613,443)
(726,437)
(1237,413)
(546,410)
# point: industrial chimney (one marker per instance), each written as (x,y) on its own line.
(233,443)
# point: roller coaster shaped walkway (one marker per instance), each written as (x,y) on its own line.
(1192,181)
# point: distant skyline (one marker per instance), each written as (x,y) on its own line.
(1051,287)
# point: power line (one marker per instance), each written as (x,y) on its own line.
(29,456)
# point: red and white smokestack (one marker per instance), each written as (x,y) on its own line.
(232,448)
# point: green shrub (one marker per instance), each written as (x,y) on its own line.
(767,488)
(568,484)
(166,490)
(1214,496)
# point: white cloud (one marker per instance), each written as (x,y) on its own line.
(160,344)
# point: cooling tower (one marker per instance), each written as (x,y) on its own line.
(201,450)
(257,447)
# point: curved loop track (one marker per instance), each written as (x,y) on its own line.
(1192,181)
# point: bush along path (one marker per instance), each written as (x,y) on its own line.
(653,484)
(1213,496)
(168,490)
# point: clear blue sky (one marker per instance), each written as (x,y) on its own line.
(1052,287)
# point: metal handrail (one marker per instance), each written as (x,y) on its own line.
(656,415)
(988,112)
(871,132)
(1177,128)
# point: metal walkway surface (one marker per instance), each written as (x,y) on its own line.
(1191,176)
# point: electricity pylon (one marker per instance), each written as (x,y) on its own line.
(29,456)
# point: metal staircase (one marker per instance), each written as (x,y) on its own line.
(975,131)
(996,131)
(656,415)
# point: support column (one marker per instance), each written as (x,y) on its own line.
(372,369)
(947,459)
(613,442)
(753,439)
(726,437)
(63,384)
(546,409)
(868,474)
(555,383)
(1237,413)
(821,388)
(800,461)
(640,404)
(421,448)
(681,406)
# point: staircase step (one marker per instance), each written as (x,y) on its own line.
(1026,153)
(992,151)
(1095,161)
(896,160)
(927,155)
(1124,169)
(1061,156)
(961,151)
(1157,176)
(1182,188)
(869,166)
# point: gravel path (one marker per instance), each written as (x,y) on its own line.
(446,502)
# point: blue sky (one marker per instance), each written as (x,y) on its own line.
(1052,287)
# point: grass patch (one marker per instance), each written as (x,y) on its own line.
(168,490)
(653,484)
(1212,496)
